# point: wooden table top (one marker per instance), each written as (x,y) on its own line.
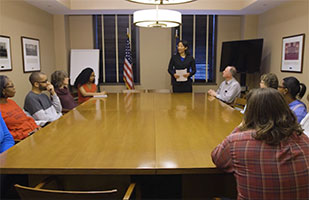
(146,133)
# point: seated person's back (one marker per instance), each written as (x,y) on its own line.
(268,153)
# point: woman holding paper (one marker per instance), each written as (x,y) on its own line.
(181,68)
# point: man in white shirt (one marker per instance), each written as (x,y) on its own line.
(41,107)
(228,89)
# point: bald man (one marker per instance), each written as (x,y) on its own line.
(41,107)
(230,88)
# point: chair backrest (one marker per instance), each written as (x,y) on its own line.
(239,102)
(305,124)
(37,192)
(159,90)
(28,193)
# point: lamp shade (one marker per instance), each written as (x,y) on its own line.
(157,18)
(161,2)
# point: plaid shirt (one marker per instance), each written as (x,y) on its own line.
(263,171)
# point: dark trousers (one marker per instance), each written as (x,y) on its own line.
(181,87)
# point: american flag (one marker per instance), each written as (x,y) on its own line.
(127,67)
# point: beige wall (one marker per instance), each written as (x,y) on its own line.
(21,19)
(291,18)
(81,34)
(62,42)
(155,53)
(155,50)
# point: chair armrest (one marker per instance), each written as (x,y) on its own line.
(129,191)
(44,182)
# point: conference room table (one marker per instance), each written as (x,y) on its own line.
(129,134)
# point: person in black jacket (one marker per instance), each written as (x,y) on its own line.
(181,68)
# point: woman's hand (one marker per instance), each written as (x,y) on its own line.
(186,75)
(176,76)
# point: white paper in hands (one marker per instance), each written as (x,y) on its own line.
(180,73)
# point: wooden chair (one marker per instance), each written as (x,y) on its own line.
(159,91)
(239,103)
(38,193)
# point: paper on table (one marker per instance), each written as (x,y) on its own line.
(100,95)
(180,73)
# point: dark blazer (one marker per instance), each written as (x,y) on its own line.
(176,63)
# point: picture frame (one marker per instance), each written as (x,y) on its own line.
(31,54)
(5,53)
(292,53)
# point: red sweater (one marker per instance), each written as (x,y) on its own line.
(18,123)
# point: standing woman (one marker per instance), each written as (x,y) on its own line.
(182,61)
(85,86)
(60,80)
(292,89)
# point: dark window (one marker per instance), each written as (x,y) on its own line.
(200,32)
(113,47)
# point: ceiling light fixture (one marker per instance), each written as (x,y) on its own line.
(161,2)
(157,18)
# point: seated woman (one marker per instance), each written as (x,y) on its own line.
(60,80)
(6,139)
(269,80)
(85,86)
(19,124)
(268,153)
(290,87)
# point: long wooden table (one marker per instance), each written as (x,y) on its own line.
(129,134)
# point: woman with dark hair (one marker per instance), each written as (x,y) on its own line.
(181,68)
(60,80)
(85,86)
(19,124)
(292,90)
(268,153)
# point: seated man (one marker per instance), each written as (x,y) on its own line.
(39,105)
(229,89)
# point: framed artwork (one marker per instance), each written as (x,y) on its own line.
(5,53)
(31,54)
(292,53)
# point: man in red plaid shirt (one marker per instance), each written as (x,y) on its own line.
(268,153)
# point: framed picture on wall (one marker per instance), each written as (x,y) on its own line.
(292,53)
(5,53)
(31,54)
